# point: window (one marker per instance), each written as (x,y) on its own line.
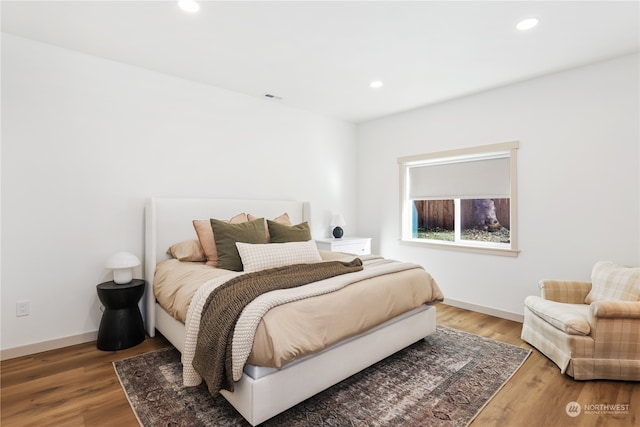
(461,199)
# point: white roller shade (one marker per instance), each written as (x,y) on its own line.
(469,179)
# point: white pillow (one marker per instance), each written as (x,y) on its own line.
(259,256)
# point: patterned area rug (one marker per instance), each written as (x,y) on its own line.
(444,380)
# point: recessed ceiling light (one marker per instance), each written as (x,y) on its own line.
(527,24)
(376,84)
(189,6)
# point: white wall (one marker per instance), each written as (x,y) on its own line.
(86,140)
(578,178)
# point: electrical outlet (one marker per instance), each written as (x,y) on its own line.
(22,308)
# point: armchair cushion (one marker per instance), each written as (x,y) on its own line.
(614,282)
(571,319)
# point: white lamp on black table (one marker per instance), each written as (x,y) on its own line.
(122,264)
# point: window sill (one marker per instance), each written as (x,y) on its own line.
(511,252)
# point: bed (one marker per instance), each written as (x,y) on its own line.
(262,393)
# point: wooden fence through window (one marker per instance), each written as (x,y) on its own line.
(441,213)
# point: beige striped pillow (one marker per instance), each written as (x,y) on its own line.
(614,282)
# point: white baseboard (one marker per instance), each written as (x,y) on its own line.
(485,310)
(26,350)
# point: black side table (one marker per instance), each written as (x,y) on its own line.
(121,325)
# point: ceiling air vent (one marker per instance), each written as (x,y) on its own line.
(270,96)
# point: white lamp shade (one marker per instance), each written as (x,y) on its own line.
(122,264)
(337,220)
(122,260)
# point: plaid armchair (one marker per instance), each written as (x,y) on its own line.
(591,330)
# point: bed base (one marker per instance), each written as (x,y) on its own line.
(263,393)
(173,330)
(263,398)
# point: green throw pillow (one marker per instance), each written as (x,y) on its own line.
(226,235)
(288,233)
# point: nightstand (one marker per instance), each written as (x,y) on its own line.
(350,245)
(121,325)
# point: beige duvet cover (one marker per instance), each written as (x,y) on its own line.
(302,327)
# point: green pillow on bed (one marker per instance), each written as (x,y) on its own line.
(226,235)
(288,233)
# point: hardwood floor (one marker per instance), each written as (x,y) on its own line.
(77,386)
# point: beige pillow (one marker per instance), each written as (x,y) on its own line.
(206,239)
(256,257)
(282,219)
(189,250)
(614,282)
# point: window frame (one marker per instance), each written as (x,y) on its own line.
(463,154)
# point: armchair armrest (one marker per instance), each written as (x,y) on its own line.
(566,291)
(615,309)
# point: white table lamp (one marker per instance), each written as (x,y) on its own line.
(122,264)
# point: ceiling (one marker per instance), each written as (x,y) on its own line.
(322,55)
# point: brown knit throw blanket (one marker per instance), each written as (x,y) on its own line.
(212,359)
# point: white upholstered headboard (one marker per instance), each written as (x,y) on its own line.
(169,220)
